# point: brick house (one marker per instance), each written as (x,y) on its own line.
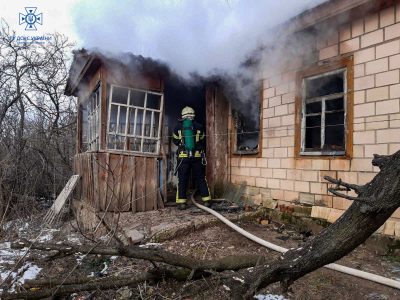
(330,103)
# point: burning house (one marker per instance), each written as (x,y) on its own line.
(324,99)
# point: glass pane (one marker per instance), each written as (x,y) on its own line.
(119,142)
(334,138)
(313,133)
(335,104)
(149,146)
(314,107)
(113,118)
(325,85)
(147,123)
(111,141)
(120,95)
(134,144)
(139,122)
(334,118)
(97,97)
(131,121)
(97,123)
(153,101)
(137,98)
(122,120)
(85,128)
(156,122)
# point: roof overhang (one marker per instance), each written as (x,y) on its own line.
(331,9)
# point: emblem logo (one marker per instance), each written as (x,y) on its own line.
(30,18)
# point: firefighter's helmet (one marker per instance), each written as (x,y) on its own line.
(188,113)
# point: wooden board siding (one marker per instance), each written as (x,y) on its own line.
(217,111)
(116,182)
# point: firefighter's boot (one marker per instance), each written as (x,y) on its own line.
(207,203)
(182,206)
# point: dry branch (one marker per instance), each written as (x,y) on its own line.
(90,284)
(236,262)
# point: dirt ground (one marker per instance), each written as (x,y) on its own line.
(207,243)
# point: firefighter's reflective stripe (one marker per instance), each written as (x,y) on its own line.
(207,198)
(180,134)
(202,136)
(175,136)
(198,136)
(184,154)
(177,199)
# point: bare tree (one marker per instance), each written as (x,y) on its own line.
(36,119)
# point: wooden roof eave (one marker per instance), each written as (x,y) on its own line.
(72,86)
(331,9)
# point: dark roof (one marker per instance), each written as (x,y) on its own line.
(86,62)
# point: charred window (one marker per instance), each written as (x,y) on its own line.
(90,121)
(324,114)
(134,120)
(246,124)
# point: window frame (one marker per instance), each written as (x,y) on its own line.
(92,141)
(329,67)
(127,135)
(235,152)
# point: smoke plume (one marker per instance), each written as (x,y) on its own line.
(202,36)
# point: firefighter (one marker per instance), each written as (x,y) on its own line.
(189,137)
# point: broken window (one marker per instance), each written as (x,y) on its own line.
(90,121)
(323,123)
(134,120)
(246,124)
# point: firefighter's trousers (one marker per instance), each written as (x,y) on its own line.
(185,165)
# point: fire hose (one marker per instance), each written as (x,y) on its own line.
(343,269)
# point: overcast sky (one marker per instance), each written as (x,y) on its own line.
(190,35)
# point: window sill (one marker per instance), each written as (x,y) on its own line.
(255,153)
(324,153)
(307,155)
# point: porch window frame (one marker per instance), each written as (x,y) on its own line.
(128,106)
(344,65)
(92,141)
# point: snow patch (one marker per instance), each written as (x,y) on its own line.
(149,245)
(27,272)
(47,235)
(8,255)
(30,273)
(74,240)
(238,279)
(80,258)
(270,297)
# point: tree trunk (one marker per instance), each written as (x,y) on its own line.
(375,203)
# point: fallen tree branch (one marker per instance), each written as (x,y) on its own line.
(90,284)
(236,262)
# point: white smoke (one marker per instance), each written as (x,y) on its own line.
(190,35)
